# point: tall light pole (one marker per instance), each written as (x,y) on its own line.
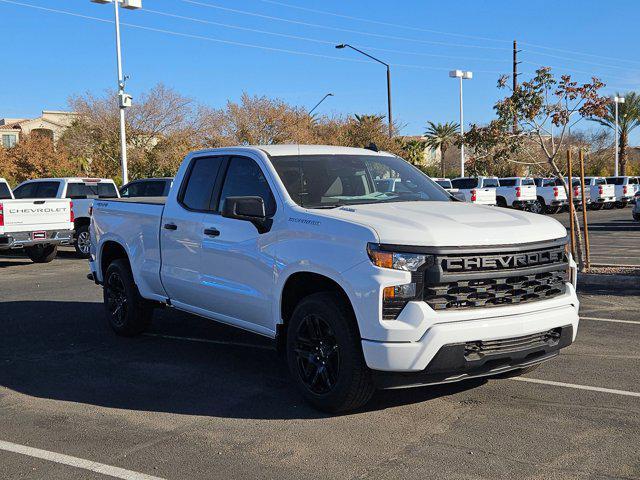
(318,104)
(617,100)
(346,45)
(124,99)
(462,75)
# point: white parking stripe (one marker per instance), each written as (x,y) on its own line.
(75,462)
(578,387)
(205,340)
(612,320)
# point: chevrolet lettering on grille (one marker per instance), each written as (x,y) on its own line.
(501,262)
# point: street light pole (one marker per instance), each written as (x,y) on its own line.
(318,104)
(462,75)
(617,100)
(389,116)
(124,99)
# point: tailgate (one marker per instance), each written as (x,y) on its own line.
(486,195)
(528,192)
(608,190)
(33,214)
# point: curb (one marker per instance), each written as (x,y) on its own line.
(611,281)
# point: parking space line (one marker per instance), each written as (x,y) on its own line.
(205,340)
(578,387)
(96,467)
(612,320)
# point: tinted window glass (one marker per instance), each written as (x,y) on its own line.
(464,183)
(37,190)
(155,188)
(490,183)
(506,183)
(91,190)
(527,181)
(201,182)
(245,178)
(634,181)
(5,193)
(599,181)
(444,183)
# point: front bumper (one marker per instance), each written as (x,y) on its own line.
(28,239)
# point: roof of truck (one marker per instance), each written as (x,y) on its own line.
(296,149)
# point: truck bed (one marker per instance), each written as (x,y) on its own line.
(146,200)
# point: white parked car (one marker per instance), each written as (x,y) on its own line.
(83,191)
(362,288)
(600,193)
(625,189)
(551,196)
(480,190)
(516,192)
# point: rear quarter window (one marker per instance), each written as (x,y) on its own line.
(5,193)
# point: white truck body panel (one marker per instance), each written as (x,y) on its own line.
(599,191)
(239,275)
(625,187)
(475,191)
(517,192)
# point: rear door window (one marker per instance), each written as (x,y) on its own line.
(5,193)
(37,190)
(505,182)
(197,191)
(490,183)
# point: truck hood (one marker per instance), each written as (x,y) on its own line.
(442,224)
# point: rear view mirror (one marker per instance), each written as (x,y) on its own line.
(250,209)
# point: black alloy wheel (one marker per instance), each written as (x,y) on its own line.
(317,354)
(116,299)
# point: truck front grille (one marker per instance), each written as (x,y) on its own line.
(496,278)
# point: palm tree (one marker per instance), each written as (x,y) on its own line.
(441,136)
(628,119)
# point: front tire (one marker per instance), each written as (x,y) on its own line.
(83,241)
(127,312)
(324,354)
(42,253)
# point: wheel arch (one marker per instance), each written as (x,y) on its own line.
(110,251)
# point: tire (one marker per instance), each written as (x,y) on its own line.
(636,217)
(597,206)
(324,354)
(538,206)
(519,372)
(127,312)
(621,204)
(83,241)
(501,202)
(42,253)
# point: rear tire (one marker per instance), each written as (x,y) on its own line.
(501,202)
(596,206)
(538,206)
(127,312)
(636,217)
(42,253)
(324,354)
(83,241)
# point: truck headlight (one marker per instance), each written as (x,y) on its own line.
(409,262)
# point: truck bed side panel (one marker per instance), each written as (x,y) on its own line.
(136,227)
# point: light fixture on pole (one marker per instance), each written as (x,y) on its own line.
(346,45)
(124,99)
(318,104)
(462,75)
(617,100)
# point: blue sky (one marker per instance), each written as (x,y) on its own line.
(49,56)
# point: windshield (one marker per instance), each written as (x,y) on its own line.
(325,181)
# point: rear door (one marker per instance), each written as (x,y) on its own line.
(181,232)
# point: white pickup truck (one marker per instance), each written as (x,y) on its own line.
(361,288)
(550,196)
(479,190)
(83,191)
(626,189)
(600,193)
(516,192)
(37,226)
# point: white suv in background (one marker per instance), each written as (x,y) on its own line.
(83,191)
(480,190)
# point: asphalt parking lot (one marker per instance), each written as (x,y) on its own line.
(613,235)
(197,400)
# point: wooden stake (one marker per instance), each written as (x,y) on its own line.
(572,228)
(584,213)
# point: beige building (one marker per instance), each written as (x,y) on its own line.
(51,124)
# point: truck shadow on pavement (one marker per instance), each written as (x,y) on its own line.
(65,351)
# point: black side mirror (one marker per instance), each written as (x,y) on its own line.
(250,209)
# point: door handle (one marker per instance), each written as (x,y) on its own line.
(170,226)
(212,232)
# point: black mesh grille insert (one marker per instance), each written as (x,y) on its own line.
(473,350)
